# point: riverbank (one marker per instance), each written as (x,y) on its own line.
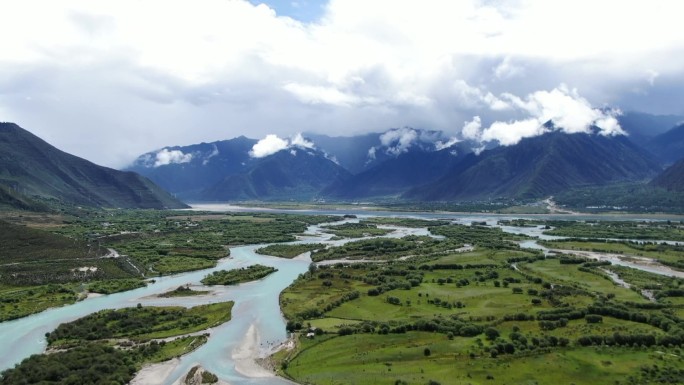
(246,354)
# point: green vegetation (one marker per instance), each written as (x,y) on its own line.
(405,222)
(455,238)
(182,291)
(233,277)
(56,264)
(87,364)
(20,301)
(356,230)
(116,285)
(110,346)
(670,255)
(494,313)
(140,323)
(663,230)
(631,197)
(289,251)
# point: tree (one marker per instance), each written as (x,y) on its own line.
(491,333)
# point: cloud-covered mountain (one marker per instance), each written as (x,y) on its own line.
(188,170)
(541,166)
(672,179)
(290,174)
(242,168)
(396,175)
(30,167)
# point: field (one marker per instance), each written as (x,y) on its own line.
(670,255)
(50,261)
(491,314)
(378,359)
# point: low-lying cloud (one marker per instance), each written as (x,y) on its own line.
(564,107)
(165,157)
(273,143)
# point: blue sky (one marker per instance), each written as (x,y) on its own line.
(110,80)
(303,10)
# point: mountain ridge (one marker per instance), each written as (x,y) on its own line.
(31,167)
(541,166)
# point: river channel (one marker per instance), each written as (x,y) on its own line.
(256,303)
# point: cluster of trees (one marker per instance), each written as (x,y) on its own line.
(123,323)
(289,251)
(89,364)
(451,326)
(235,276)
(484,236)
(662,320)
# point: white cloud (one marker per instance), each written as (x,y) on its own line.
(569,112)
(364,66)
(440,145)
(268,146)
(165,157)
(299,141)
(272,144)
(371,153)
(472,129)
(214,152)
(399,140)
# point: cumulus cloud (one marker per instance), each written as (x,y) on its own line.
(165,157)
(268,146)
(363,66)
(299,141)
(399,140)
(472,129)
(565,108)
(273,143)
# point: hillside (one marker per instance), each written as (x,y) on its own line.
(195,167)
(672,179)
(541,166)
(668,146)
(297,174)
(397,175)
(30,167)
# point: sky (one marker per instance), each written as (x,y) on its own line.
(110,80)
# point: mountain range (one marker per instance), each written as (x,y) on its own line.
(542,166)
(32,171)
(404,163)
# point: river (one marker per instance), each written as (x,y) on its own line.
(256,303)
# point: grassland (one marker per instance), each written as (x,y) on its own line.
(491,315)
(55,260)
(663,230)
(670,255)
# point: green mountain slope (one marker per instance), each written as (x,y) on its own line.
(30,167)
(672,178)
(541,166)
